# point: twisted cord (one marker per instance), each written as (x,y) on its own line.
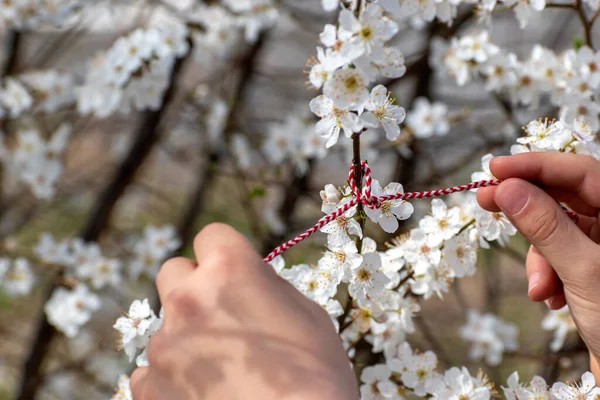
(366,197)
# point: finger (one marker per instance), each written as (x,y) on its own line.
(219,241)
(591,227)
(573,201)
(571,172)
(543,281)
(485,198)
(137,381)
(557,301)
(172,274)
(542,221)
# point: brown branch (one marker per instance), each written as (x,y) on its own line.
(432,340)
(197,199)
(145,138)
(585,23)
(13,43)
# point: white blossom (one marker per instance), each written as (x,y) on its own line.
(390,211)
(68,310)
(561,322)
(381,112)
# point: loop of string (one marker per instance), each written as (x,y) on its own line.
(366,198)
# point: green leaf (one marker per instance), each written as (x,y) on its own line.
(578,42)
(257,191)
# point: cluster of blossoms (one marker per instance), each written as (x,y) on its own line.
(36,91)
(31,159)
(570,81)
(355,54)
(134,72)
(561,322)
(490,336)
(292,140)
(418,13)
(85,266)
(16,277)
(29,14)
(253,16)
(428,119)
(408,373)
(69,309)
(151,249)
(135,329)
(384,286)
(538,389)
(223,25)
(524,10)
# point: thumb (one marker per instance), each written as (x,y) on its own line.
(547,227)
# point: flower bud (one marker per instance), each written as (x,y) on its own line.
(330,195)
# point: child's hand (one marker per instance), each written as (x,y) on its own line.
(233,329)
(563,264)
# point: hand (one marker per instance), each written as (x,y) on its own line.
(233,329)
(563,264)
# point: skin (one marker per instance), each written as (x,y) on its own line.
(233,329)
(563,263)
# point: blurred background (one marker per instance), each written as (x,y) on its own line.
(233,141)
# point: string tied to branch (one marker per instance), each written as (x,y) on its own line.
(365,196)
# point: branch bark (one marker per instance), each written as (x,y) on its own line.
(146,136)
(197,199)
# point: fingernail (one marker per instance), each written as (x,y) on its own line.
(549,302)
(534,279)
(513,198)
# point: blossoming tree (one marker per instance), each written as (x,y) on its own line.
(178,86)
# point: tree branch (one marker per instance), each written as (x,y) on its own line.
(146,136)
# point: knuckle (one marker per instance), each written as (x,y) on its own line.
(220,261)
(179,303)
(544,224)
(164,354)
(168,266)
(211,230)
(157,348)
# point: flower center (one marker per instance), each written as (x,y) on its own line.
(386,206)
(583,87)
(366,33)
(581,110)
(379,112)
(342,221)
(363,275)
(104,269)
(351,83)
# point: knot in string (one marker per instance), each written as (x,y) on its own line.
(365,196)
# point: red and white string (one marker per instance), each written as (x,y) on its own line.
(366,198)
